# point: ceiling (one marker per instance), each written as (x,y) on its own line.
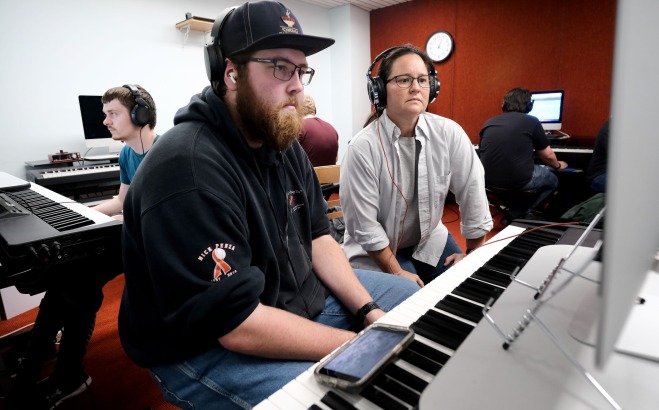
(367,5)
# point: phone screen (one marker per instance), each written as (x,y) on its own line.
(360,357)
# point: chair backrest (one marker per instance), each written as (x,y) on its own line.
(330,175)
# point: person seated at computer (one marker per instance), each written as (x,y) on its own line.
(397,172)
(71,303)
(318,138)
(596,173)
(130,115)
(509,142)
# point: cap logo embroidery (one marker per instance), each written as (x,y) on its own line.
(290,22)
(287,19)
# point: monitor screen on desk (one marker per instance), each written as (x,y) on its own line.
(631,227)
(96,134)
(548,108)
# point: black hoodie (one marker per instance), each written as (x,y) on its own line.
(212,227)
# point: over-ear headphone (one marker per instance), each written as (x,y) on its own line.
(213,57)
(141,112)
(377,89)
(529,107)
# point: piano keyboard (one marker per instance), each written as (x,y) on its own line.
(76,207)
(66,172)
(573,150)
(442,314)
(49,211)
(43,234)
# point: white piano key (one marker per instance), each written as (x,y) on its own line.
(266,405)
(434,345)
(285,401)
(81,209)
(301,393)
(308,380)
(400,318)
(92,169)
(422,374)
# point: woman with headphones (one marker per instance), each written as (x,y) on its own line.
(397,172)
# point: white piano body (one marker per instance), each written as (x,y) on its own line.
(531,374)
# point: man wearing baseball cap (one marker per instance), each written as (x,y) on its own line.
(233,284)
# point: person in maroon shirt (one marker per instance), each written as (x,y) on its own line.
(318,138)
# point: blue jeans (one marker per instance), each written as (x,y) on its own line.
(222,379)
(427,272)
(599,184)
(544,181)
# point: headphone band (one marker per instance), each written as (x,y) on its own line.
(376,87)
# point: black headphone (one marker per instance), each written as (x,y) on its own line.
(140,114)
(377,89)
(213,57)
(529,107)
(512,101)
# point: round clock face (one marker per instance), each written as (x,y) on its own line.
(439,46)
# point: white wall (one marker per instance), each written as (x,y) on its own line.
(51,52)
(54,51)
(350,61)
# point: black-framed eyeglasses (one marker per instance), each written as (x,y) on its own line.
(283,70)
(405,81)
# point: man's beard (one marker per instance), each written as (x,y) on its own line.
(277,128)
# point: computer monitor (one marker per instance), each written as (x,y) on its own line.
(548,108)
(631,227)
(96,134)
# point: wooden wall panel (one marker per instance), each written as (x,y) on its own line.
(502,44)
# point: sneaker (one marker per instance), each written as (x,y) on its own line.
(54,390)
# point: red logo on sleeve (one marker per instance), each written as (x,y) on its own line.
(221,267)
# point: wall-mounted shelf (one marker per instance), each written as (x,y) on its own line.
(196,24)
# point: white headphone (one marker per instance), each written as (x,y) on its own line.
(231,77)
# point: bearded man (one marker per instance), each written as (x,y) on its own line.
(233,284)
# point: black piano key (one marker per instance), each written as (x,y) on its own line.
(504,265)
(476,290)
(529,241)
(315,407)
(461,308)
(420,361)
(54,214)
(492,276)
(436,335)
(495,269)
(427,351)
(397,389)
(455,325)
(504,258)
(336,402)
(524,248)
(442,329)
(548,235)
(406,378)
(382,399)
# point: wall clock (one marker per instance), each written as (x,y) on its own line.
(439,46)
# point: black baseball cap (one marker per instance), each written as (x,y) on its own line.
(260,25)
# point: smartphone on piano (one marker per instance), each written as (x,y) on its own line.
(359,360)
